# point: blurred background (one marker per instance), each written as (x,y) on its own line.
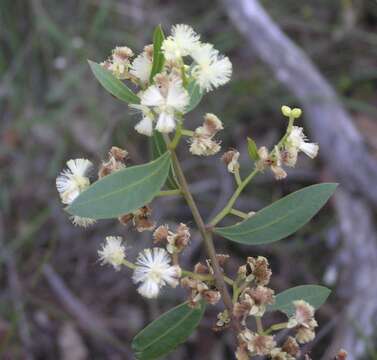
(56,301)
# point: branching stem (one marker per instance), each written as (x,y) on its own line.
(205,233)
(228,207)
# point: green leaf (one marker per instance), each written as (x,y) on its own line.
(158,56)
(280,219)
(252,149)
(113,85)
(196,96)
(123,191)
(315,295)
(165,333)
(158,148)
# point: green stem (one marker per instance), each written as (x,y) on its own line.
(188,133)
(178,134)
(237,176)
(169,192)
(276,327)
(129,264)
(258,321)
(205,277)
(205,233)
(239,213)
(228,207)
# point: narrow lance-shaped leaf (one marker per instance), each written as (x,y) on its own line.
(164,334)
(158,147)
(280,219)
(113,85)
(196,96)
(315,295)
(123,191)
(158,56)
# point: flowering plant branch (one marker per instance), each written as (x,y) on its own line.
(172,75)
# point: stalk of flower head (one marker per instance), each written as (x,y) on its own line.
(164,100)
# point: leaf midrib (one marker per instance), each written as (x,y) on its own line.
(167,331)
(124,188)
(227,229)
(264,226)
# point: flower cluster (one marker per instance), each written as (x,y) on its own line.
(202,142)
(286,152)
(303,322)
(165,98)
(175,241)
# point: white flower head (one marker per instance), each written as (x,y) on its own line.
(141,67)
(167,100)
(182,41)
(73,180)
(298,141)
(210,70)
(112,252)
(153,270)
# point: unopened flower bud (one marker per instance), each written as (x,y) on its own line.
(296,113)
(286,110)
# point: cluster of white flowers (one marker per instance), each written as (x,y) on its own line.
(71,182)
(165,98)
(303,321)
(203,143)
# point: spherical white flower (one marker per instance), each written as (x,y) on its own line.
(112,252)
(182,42)
(166,105)
(298,141)
(141,67)
(154,271)
(211,70)
(73,180)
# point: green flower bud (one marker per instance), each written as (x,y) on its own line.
(286,110)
